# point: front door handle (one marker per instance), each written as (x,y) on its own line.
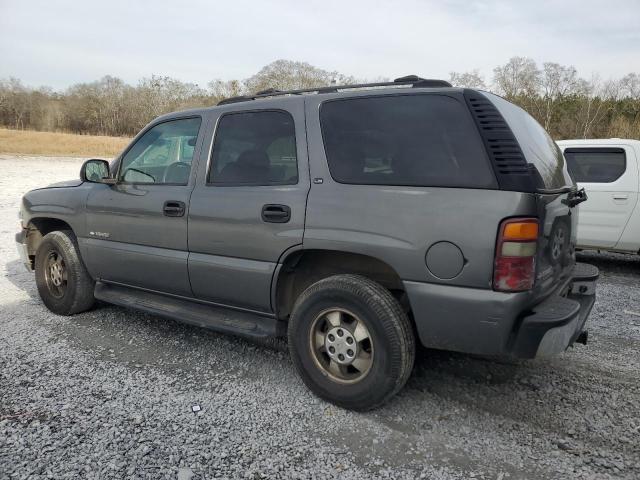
(272,213)
(620,196)
(173,208)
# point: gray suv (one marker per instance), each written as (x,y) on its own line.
(355,220)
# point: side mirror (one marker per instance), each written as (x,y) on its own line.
(96,171)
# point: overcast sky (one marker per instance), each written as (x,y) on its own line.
(59,43)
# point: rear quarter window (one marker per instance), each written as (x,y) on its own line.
(537,145)
(412,140)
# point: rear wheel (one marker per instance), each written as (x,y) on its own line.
(351,342)
(62,279)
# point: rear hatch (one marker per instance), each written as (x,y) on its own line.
(526,159)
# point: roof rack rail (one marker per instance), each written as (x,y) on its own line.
(413,80)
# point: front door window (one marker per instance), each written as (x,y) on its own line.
(163,155)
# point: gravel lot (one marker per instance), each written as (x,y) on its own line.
(109,394)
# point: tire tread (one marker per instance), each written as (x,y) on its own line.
(395,322)
(83,298)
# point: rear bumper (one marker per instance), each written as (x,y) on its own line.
(555,323)
(485,322)
(23,251)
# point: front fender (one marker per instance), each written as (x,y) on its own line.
(65,204)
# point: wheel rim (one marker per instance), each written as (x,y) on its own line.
(341,345)
(55,273)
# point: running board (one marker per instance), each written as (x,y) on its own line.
(213,317)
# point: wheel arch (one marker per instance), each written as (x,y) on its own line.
(301,268)
(38,227)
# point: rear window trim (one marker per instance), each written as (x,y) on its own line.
(214,135)
(592,149)
(458,98)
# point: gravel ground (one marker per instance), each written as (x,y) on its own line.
(109,394)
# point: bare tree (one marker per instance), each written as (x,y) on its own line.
(630,86)
(157,95)
(565,104)
(220,89)
(630,90)
(15,103)
(519,77)
(597,101)
(472,79)
(112,92)
(291,75)
(556,82)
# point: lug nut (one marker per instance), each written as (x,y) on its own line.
(350,353)
(332,350)
(340,332)
(331,338)
(341,357)
(349,340)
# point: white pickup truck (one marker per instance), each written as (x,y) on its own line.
(608,171)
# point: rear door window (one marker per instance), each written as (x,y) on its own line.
(254,148)
(596,165)
(419,139)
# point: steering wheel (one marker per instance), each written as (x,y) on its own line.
(176,169)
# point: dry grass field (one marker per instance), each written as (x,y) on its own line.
(29,142)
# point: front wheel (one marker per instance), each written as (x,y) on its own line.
(351,342)
(62,279)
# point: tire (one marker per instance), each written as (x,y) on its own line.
(68,288)
(380,364)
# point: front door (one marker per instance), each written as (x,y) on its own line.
(137,228)
(248,207)
(609,175)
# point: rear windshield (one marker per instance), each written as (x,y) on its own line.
(596,165)
(537,146)
(421,140)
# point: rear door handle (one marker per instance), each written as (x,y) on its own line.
(173,208)
(620,196)
(273,213)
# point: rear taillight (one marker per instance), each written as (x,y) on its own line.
(515,269)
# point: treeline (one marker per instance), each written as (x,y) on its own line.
(567,105)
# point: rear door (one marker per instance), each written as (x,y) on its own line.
(249,204)
(609,174)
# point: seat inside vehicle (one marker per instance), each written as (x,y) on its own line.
(250,167)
